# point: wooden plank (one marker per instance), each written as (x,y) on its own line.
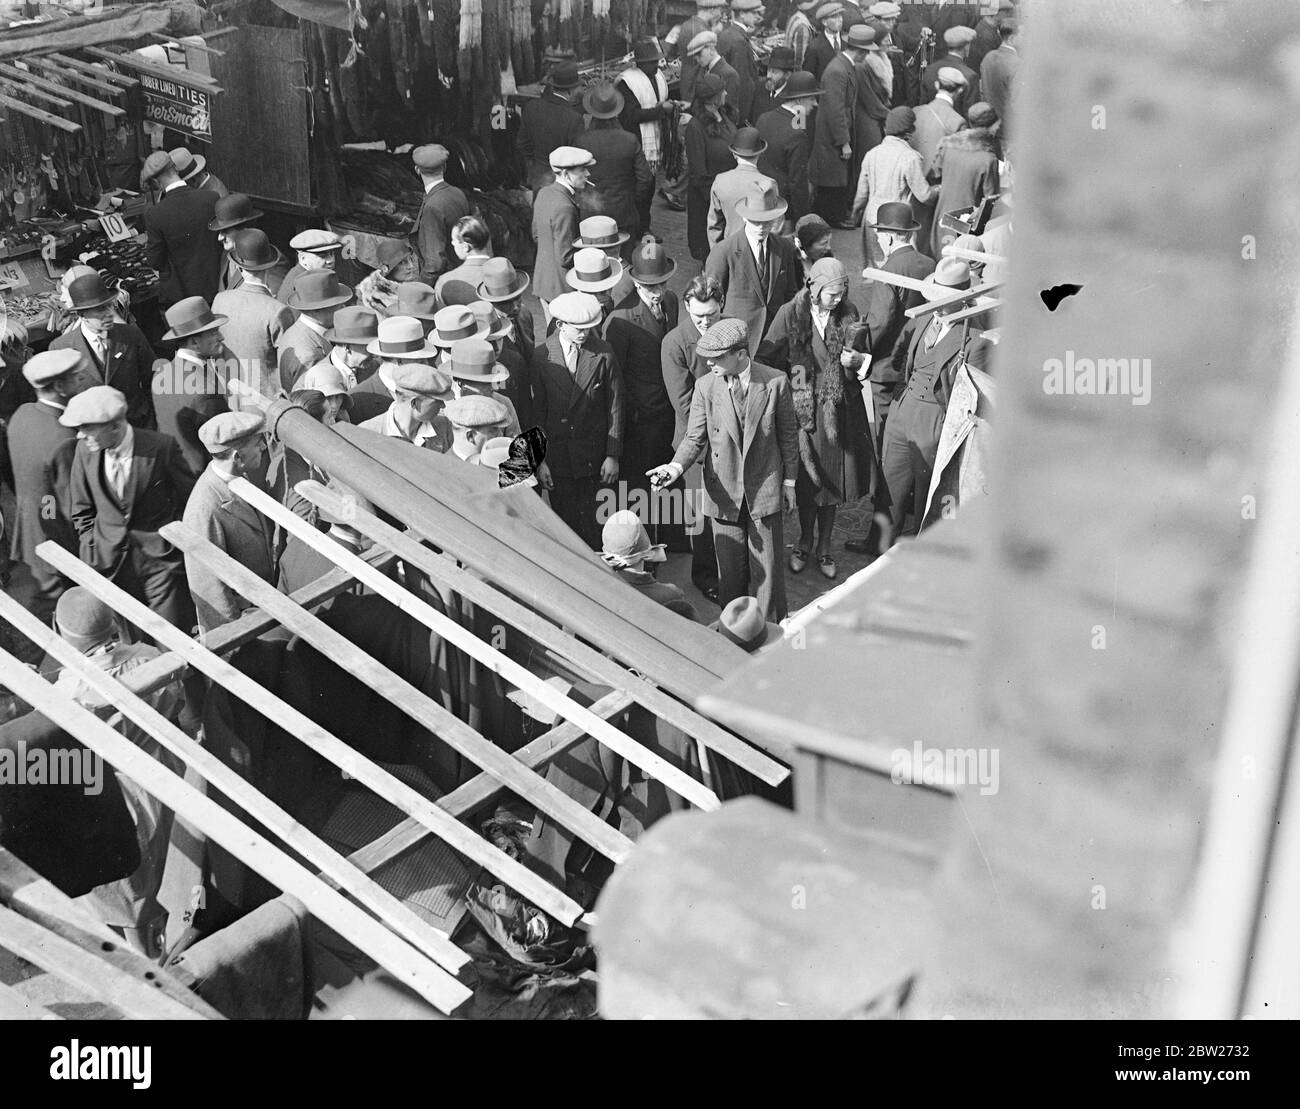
(960,297)
(165,72)
(640,756)
(187,44)
(976,309)
(125,80)
(391,952)
(15,1006)
(902,281)
(111,110)
(478,791)
(307,731)
(600,667)
(62,73)
(965,255)
(80,968)
(419,707)
(36,113)
(379,901)
(27,90)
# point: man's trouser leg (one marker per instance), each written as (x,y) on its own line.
(764,537)
(896,465)
(732,547)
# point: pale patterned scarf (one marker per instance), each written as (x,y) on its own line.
(647,95)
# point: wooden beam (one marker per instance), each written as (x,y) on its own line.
(36,113)
(62,73)
(163,72)
(327,745)
(959,297)
(640,756)
(976,309)
(445,571)
(98,71)
(17,1006)
(478,791)
(900,280)
(422,709)
(965,255)
(379,901)
(249,846)
(111,110)
(28,90)
(185,43)
(69,962)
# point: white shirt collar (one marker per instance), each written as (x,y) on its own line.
(943,95)
(175,185)
(53,404)
(752,240)
(349,374)
(98,341)
(432,185)
(312,325)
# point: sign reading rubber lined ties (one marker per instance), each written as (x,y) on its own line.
(177,106)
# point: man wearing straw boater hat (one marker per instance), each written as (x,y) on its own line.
(622,183)
(195,385)
(193,170)
(579,404)
(732,186)
(551,120)
(236,445)
(787,132)
(420,393)
(595,272)
(397,339)
(232,213)
(116,353)
(124,485)
(758,270)
(932,349)
(316,296)
(442,207)
(555,221)
(41,449)
(256,320)
(743,425)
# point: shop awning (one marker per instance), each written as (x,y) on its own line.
(112,25)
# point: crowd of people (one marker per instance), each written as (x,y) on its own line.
(777,382)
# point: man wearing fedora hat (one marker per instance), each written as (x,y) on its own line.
(737,50)
(315,297)
(549,121)
(787,129)
(476,370)
(193,170)
(195,385)
(622,184)
(255,320)
(353,330)
(636,333)
(758,270)
(927,356)
(116,353)
(743,425)
(732,186)
(832,156)
(417,301)
(442,207)
(555,221)
(397,339)
(41,450)
(504,288)
(578,401)
(420,393)
(180,245)
(472,245)
(124,485)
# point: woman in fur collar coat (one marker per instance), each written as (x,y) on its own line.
(812,339)
(967,165)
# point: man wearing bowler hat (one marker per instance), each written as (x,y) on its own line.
(195,385)
(124,485)
(743,424)
(397,339)
(442,206)
(758,270)
(316,296)
(732,186)
(116,353)
(551,120)
(41,449)
(233,213)
(737,50)
(255,320)
(579,404)
(780,64)
(621,184)
(236,445)
(636,333)
(180,246)
(788,132)
(420,393)
(193,170)
(555,221)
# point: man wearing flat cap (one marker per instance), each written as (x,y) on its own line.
(704,49)
(314,249)
(578,402)
(958,41)
(442,206)
(41,449)
(236,444)
(420,393)
(707,16)
(743,425)
(987,37)
(828,42)
(939,118)
(181,246)
(556,216)
(124,485)
(474,420)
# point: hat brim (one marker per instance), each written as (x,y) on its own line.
(332,336)
(748,153)
(656,279)
(496,377)
(200,163)
(88,304)
(612,113)
(890,227)
(772,633)
(745,212)
(400,356)
(227,224)
(498,298)
(582,286)
(426,317)
(581,244)
(315,305)
(934,291)
(258,267)
(173,335)
(811,93)
(480,332)
(593,321)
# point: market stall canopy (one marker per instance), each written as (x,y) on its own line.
(111,25)
(332,13)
